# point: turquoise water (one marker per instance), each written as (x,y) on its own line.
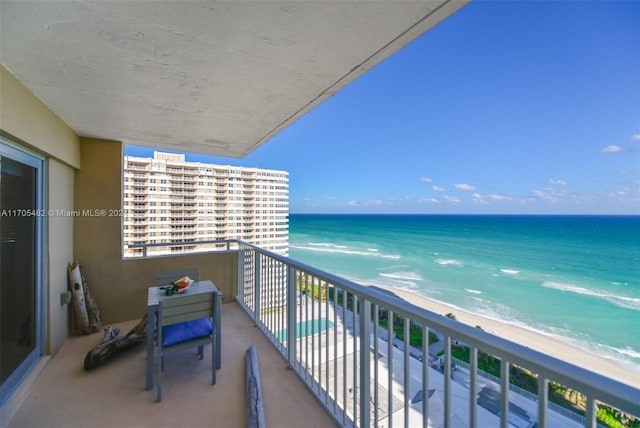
(306,328)
(575,277)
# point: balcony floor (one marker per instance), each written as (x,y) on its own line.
(64,395)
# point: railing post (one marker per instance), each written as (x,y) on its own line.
(292,299)
(473,387)
(391,337)
(504,397)
(590,420)
(407,368)
(240,285)
(365,363)
(543,399)
(256,287)
(447,381)
(425,376)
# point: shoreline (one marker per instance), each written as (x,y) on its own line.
(547,344)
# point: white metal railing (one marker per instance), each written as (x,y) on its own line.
(331,331)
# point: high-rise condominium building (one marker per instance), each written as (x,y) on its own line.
(169,200)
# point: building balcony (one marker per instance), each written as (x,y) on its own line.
(139,167)
(324,329)
(342,353)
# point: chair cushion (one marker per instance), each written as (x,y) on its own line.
(184,331)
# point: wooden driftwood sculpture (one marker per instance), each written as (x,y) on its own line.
(112,344)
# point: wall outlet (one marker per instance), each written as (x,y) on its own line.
(65,298)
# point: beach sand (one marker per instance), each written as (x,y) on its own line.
(529,338)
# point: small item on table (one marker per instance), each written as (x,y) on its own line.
(179,286)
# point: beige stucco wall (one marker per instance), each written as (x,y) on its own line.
(33,126)
(60,250)
(23,115)
(120,286)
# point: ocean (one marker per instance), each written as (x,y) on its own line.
(576,278)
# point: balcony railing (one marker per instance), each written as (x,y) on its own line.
(332,332)
(335,335)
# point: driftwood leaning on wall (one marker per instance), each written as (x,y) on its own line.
(112,344)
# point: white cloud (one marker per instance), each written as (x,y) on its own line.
(611,149)
(635,137)
(465,187)
(374,202)
(453,199)
(491,197)
(425,180)
(438,189)
(478,197)
(428,201)
(550,195)
(557,182)
(497,197)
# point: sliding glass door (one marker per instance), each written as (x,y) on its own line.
(21,264)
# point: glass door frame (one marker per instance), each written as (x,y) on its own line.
(9,148)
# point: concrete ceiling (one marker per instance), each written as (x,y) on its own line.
(200,76)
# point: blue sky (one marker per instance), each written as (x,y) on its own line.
(505,107)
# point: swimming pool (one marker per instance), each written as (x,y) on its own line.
(307,328)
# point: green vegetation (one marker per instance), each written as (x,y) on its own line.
(415,331)
(486,363)
(614,418)
(340,298)
(270,311)
(559,394)
(312,287)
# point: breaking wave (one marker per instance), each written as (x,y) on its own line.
(326,247)
(452,262)
(409,276)
(621,301)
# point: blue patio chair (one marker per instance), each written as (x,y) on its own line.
(164,278)
(186,321)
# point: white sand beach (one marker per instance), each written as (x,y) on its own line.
(532,339)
